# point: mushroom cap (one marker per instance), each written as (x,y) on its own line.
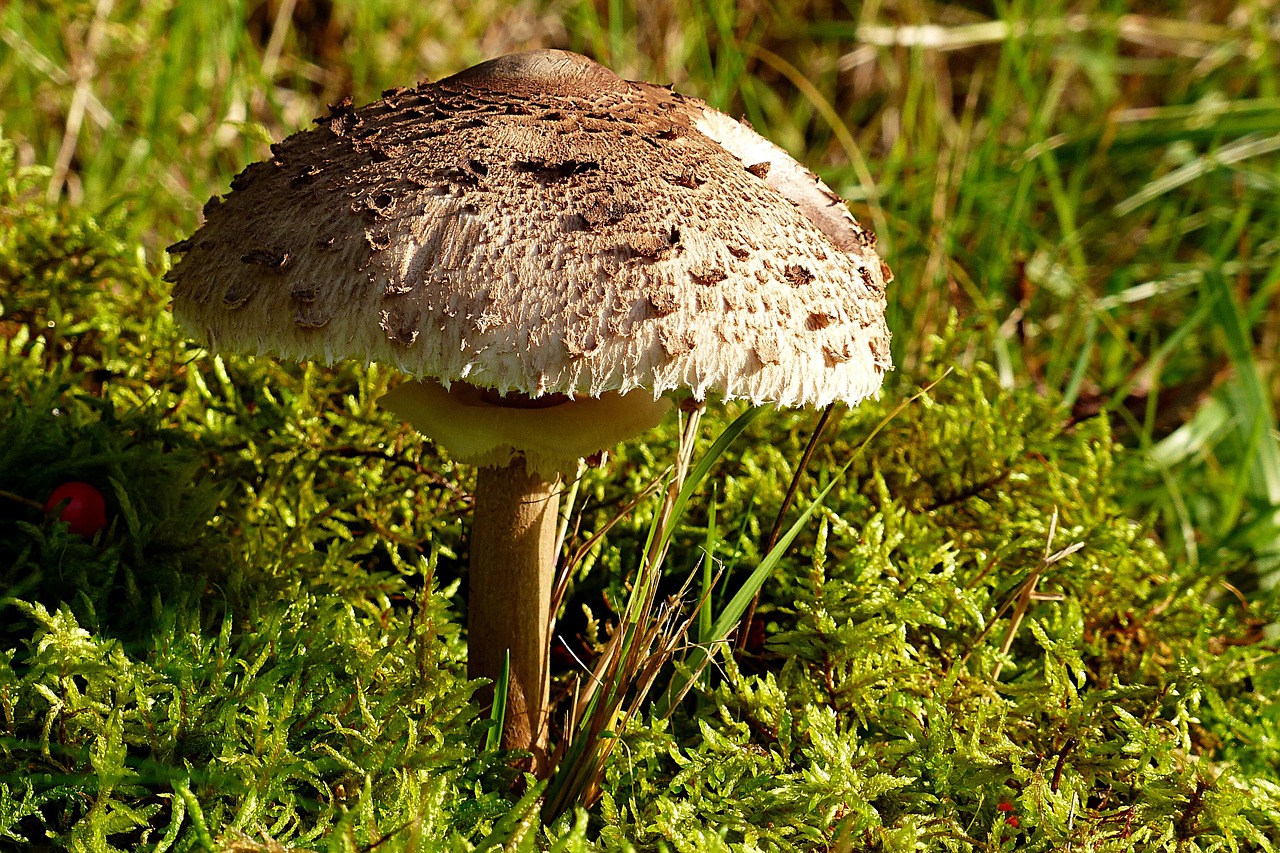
(538,224)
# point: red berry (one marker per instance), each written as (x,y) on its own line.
(85,512)
(1005,806)
(1013,821)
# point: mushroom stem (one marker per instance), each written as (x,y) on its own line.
(512,572)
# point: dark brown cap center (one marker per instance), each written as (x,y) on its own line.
(556,72)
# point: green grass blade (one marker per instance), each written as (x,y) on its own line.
(708,573)
(1257,409)
(700,471)
(498,713)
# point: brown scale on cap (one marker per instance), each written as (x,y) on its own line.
(305,292)
(559,180)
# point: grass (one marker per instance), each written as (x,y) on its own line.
(1079,201)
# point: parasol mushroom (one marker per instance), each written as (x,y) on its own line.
(548,250)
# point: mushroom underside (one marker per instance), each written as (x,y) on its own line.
(477,429)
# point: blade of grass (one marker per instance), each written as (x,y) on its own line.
(708,552)
(699,473)
(1256,419)
(744,628)
(1258,412)
(498,713)
(1235,152)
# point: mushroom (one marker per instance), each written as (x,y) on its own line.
(548,250)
